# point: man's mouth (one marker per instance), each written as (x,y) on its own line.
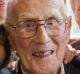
(43,53)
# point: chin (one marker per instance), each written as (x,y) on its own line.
(43,70)
(44,67)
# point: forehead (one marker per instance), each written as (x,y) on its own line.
(40,9)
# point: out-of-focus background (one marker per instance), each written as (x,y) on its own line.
(75,31)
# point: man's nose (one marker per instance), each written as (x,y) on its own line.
(42,35)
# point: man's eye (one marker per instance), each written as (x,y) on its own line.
(30,24)
(52,22)
(21,24)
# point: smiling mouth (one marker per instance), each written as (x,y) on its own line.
(43,53)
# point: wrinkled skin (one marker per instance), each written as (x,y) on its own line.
(42,41)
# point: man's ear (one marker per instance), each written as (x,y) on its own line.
(69,22)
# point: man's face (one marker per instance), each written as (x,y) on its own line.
(41,50)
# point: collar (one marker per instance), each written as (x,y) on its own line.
(62,69)
(23,70)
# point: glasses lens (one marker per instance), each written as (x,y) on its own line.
(28,28)
(55,28)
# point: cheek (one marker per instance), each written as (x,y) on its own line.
(24,43)
(61,41)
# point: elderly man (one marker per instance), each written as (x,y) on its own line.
(40,32)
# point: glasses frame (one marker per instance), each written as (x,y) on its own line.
(64,22)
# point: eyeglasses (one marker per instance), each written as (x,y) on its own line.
(29,27)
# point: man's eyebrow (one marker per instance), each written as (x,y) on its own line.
(37,19)
(28,16)
(53,17)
